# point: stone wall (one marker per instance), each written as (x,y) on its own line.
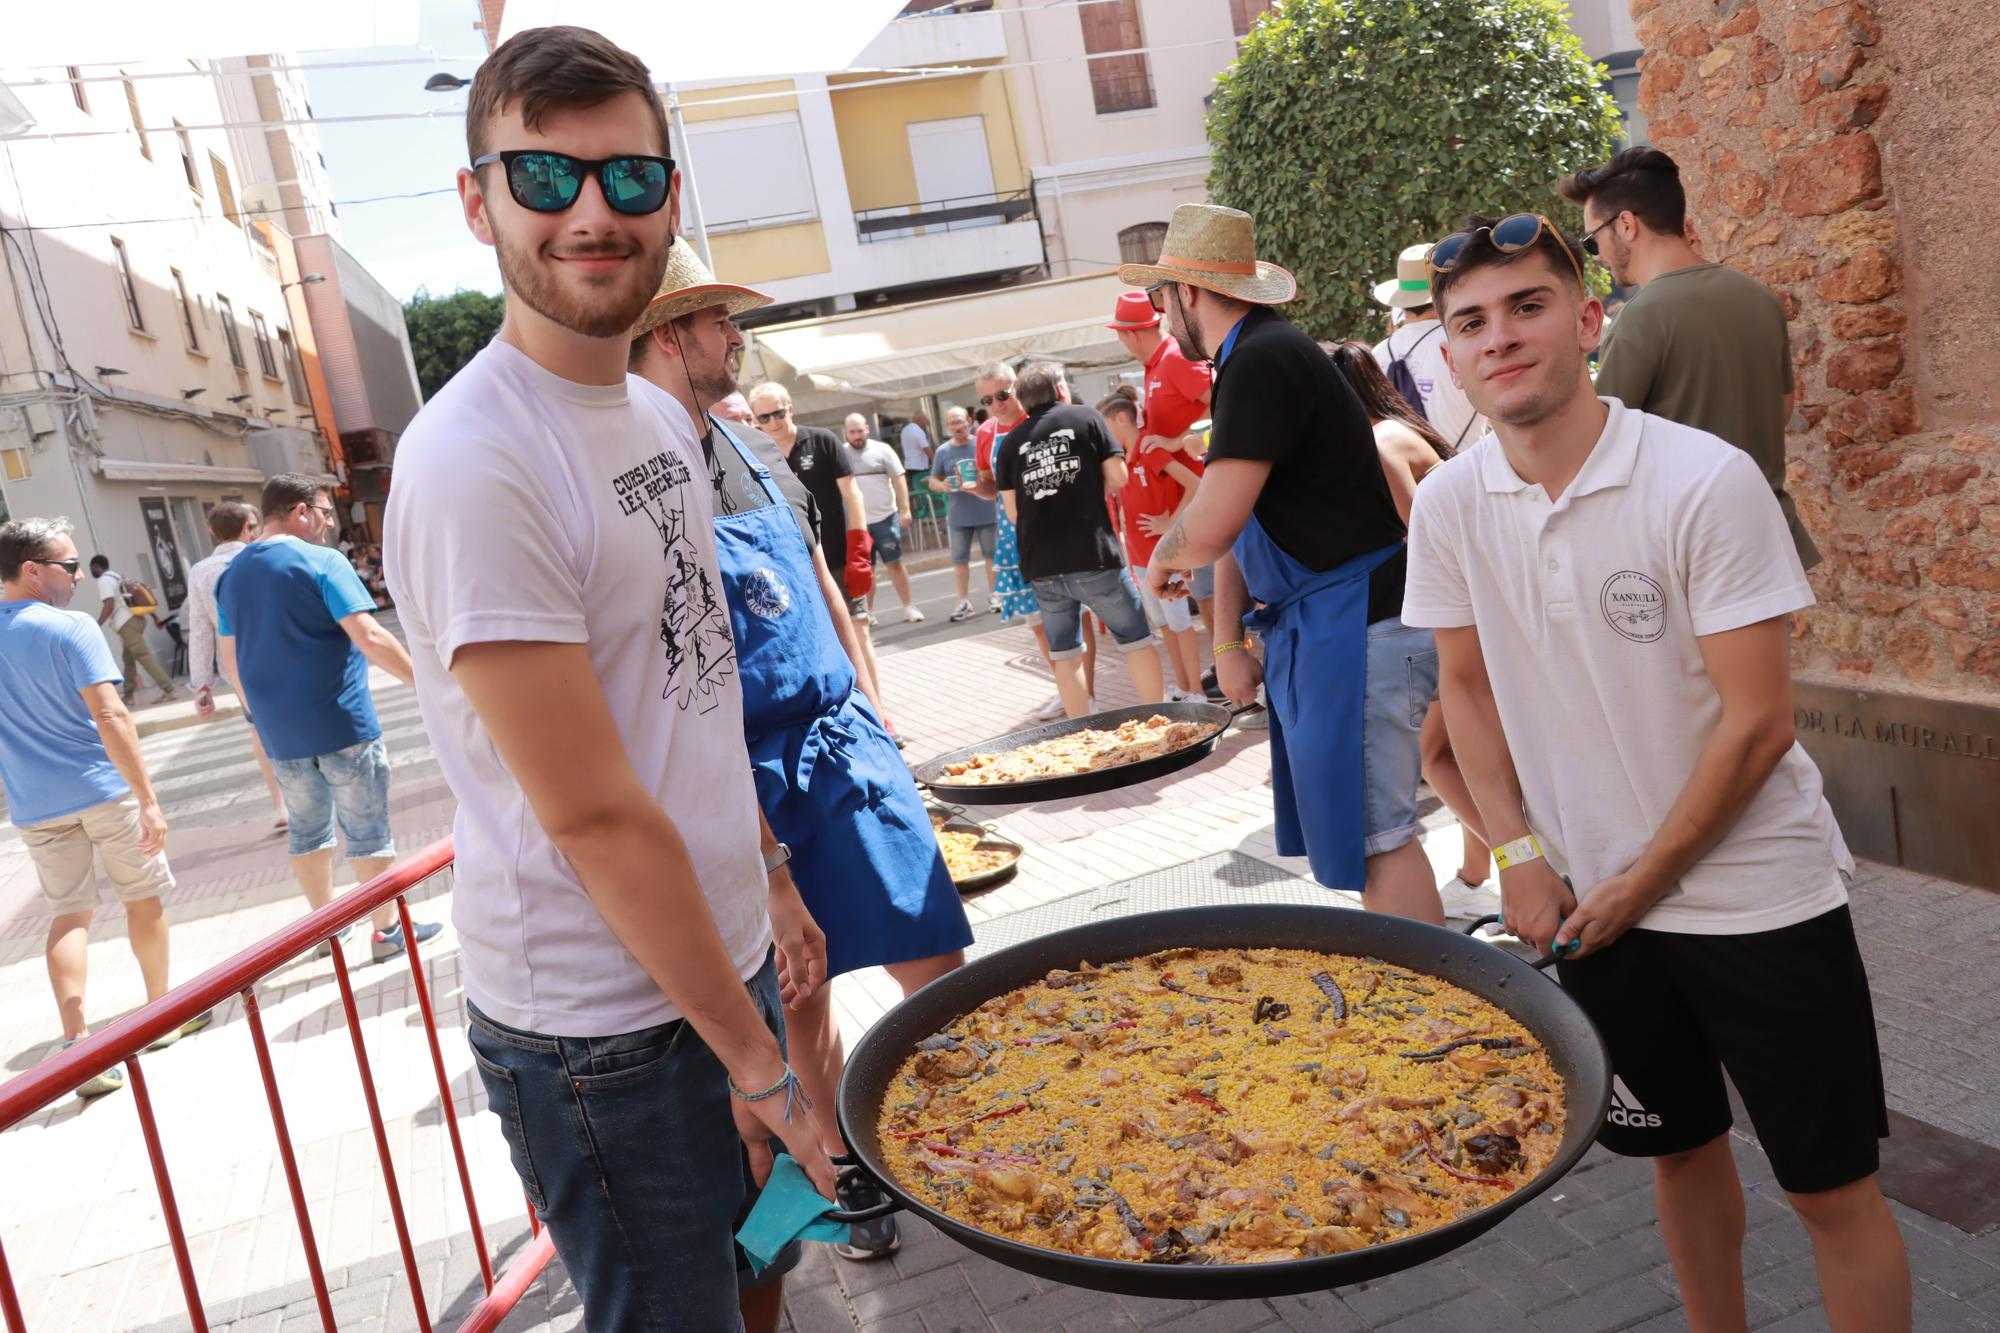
(1846,152)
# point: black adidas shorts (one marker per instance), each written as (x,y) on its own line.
(1786,1012)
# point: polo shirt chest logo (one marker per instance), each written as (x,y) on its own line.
(1634,605)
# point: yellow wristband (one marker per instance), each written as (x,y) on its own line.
(1518,852)
(1222,648)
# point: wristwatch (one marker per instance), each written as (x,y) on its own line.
(776,857)
(1508,855)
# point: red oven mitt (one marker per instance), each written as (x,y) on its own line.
(860,562)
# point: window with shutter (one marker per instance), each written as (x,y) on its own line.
(1141,244)
(138,125)
(225,190)
(1117,82)
(1243,13)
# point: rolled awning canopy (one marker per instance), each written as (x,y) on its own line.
(932,346)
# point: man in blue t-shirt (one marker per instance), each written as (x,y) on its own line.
(296,627)
(954,473)
(76,783)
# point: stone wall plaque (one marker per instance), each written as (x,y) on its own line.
(1915,782)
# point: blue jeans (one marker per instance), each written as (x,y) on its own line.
(626,1147)
(1402,681)
(1109,592)
(350,784)
(961,542)
(887,535)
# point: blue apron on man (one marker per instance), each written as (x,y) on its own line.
(829,779)
(1315,631)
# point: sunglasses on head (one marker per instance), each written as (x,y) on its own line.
(66,566)
(1510,235)
(997,396)
(544,182)
(766,418)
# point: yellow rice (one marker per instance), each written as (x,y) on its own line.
(1138,1112)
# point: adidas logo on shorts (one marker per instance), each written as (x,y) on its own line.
(1626,1109)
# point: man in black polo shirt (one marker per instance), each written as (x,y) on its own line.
(1294,510)
(1055,472)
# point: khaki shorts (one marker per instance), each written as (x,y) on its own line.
(62,849)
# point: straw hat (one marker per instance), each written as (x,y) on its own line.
(1215,248)
(1411,286)
(687,287)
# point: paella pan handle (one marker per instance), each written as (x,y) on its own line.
(851,1216)
(1546,961)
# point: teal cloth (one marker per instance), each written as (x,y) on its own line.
(787,1209)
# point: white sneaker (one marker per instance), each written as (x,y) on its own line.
(1176,695)
(963,611)
(1463,902)
(911,615)
(993,603)
(1090,705)
(1051,710)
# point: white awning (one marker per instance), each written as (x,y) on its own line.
(130,469)
(931,346)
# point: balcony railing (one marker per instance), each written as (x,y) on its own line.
(959,214)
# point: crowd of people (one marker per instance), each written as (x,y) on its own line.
(637,609)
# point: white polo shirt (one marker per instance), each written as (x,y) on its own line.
(1588,611)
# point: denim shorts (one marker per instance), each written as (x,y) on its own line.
(1108,592)
(961,542)
(351,784)
(1203,582)
(1172,613)
(888,538)
(626,1147)
(1402,681)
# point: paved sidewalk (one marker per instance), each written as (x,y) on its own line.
(81,1223)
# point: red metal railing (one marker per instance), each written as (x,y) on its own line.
(122,1042)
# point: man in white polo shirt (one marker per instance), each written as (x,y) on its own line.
(1611,594)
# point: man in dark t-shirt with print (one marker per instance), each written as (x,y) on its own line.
(1294,509)
(1055,472)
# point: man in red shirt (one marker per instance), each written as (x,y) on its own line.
(1176,397)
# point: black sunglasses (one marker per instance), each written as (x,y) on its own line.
(1511,235)
(66,566)
(997,396)
(766,418)
(1157,294)
(546,182)
(1590,237)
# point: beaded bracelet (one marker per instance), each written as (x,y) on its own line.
(789,1085)
(1222,648)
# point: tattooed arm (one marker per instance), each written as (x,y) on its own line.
(1209,523)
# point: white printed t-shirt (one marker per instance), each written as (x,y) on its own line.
(1588,611)
(531,508)
(1421,345)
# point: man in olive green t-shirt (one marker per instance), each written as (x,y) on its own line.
(1701,343)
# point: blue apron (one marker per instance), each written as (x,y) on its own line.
(829,779)
(1315,632)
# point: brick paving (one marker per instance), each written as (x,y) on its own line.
(81,1221)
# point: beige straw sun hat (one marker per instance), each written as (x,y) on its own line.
(687,287)
(1213,247)
(1411,287)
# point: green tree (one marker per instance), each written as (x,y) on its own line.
(1353,128)
(448,331)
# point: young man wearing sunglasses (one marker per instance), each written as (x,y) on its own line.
(1701,343)
(552,558)
(1611,593)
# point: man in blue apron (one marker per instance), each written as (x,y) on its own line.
(830,782)
(1297,515)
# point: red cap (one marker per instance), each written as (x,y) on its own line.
(1135,311)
